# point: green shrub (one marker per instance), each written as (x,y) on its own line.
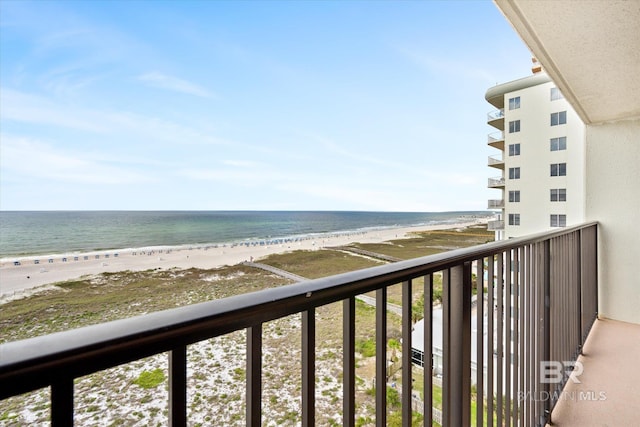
(366,347)
(150,379)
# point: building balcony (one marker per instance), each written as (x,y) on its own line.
(538,302)
(497,182)
(495,225)
(495,204)
(496,140)
(496,162)
(495,118)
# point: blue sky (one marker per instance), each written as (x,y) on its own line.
(309,105)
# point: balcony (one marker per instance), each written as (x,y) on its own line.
(497,182)
(496,204)
(496,140)
(539,300)
(496,162)
(495,118)
(495,225)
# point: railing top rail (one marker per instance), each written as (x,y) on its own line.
(85,350)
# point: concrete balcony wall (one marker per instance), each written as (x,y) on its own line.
(613,197)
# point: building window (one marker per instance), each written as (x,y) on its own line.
(514,126)
(514,103)
(559,118)
(556,94)
(514,173)
(558,194)
(514,196)
(514,149)
(558,169)
(558,220)
(514,219)
(559,144)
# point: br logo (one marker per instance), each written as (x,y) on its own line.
(552,372)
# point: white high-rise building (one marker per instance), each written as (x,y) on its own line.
(541,159)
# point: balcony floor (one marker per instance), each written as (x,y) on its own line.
(610,361)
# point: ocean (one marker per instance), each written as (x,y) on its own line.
(56,232)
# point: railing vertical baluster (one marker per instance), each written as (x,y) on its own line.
(500,347)
(533,320)
(62,402)
(465,284)
(407,382)
(594,283)
(446,347)
(566,301)
(535,335)
(381,357)
(428,350)
(577,328)
(522,332)
(254,375)
(490,343)
(516,334)
(349,366)
(458,355)
(479,341)
(178,387)
(577,315)
(546,339)
(508,307)
(308,367)
(559,322)
(539,292)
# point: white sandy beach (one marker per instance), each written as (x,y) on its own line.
(17,281)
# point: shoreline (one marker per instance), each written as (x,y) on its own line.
(18,281)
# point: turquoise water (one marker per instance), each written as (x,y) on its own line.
(36,233)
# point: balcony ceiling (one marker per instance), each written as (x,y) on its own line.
(590,48)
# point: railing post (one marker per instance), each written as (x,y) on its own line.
(178,387)
(308,367)
(427,356)
(62,403)
(407,410)
(349,367)
(459,352)
(381,357)
(254,376)
(479,342)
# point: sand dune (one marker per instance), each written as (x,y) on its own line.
(19,280)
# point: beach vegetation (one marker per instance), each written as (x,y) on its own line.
(124,294)
(150,379)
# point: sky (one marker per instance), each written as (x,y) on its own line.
(250,105)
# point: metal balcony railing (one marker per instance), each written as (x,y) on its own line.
(495,160)
(495,115)
(540,296)
(495,137)
(495,204)
(496,182)
(495,225)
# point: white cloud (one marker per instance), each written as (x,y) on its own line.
(24,158)
(22,107)
(240,163)
(174,84)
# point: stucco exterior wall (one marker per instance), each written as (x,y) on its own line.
(613,199)
(535,159)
